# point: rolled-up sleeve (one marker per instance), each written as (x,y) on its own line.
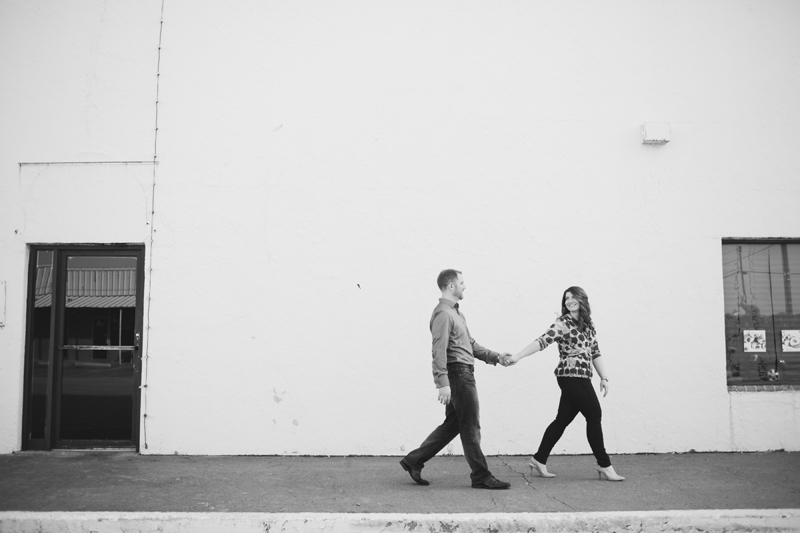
(595,349)
(553,334)
(440,330)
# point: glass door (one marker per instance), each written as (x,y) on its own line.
(83,366)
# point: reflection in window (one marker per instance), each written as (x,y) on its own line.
(81,355)
(761,280)
(99,314)
(100,307)
(39,358)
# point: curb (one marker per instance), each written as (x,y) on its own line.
(708,521)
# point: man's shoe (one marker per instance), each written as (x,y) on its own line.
(415,474)
(491,483)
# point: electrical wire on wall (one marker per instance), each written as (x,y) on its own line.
(145,362)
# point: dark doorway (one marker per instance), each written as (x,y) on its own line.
(83,362)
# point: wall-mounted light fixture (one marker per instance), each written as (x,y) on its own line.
(655,133)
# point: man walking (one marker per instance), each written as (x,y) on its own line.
(454,353)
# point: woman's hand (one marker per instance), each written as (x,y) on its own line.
(600,366)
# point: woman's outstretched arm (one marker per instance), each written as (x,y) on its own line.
(530,349)
(553,334)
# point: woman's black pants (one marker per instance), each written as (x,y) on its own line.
(577,396)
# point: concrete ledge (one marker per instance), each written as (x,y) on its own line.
(709,521)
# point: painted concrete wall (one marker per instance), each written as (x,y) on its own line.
(78,87)
(319,164)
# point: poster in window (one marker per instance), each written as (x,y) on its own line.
(791,340)
(755,340)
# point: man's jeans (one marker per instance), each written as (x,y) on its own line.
(461,417)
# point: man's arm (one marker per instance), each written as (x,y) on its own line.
(484,354)
(440,331)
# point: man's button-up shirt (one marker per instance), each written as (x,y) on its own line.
(452,342)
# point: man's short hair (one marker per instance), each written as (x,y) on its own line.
(446,276)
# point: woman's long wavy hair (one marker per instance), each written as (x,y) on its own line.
(585,310)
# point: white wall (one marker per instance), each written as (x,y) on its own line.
(78,87)
(320,163)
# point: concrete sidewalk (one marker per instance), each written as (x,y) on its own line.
(754,486)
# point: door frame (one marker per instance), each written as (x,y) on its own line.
(51,438)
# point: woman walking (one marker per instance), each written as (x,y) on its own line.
(574,333)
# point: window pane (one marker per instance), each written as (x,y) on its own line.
(760,283)
(97,380)
(40,347)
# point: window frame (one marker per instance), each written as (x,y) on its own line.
(768,386)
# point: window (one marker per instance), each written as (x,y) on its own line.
(761,280)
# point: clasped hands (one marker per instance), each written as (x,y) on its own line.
(507,360)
